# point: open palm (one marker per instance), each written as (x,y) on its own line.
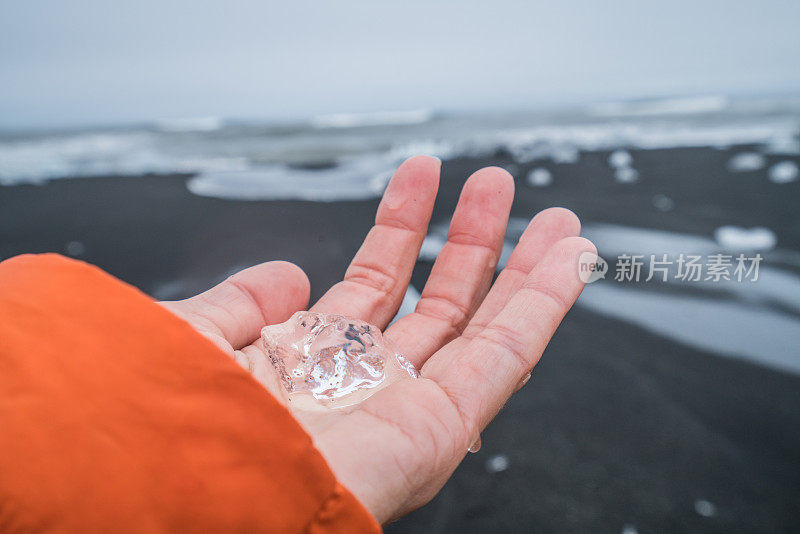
(473,342)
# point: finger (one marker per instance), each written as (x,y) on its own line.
(545,229)
(463,270)
(478,378)
(374,284)
(235,311)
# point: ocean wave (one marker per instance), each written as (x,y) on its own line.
(327,149)
(664,106)
(190,124)
(381,118)
(642,135)
(86,154)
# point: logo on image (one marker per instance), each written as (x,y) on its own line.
(591,267)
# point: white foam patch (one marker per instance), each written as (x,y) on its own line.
(783,172)
(359,179)
(745,239)
(746,162)
(728,328)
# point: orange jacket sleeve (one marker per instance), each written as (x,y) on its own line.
(116,416)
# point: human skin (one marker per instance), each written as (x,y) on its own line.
(472,341)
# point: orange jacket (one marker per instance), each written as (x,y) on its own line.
(116,416)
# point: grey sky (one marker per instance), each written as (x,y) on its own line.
(95,61)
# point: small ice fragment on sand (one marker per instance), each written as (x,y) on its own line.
(540,177)
(705,508)
(626,175)
(333,360)
(621,161)
(497,463)
(746,162)
(629,529)
(663,202)
(620,158)
(75,248)
(745,239)
(783,172)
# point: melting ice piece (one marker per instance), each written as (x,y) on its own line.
(663,202)
(620,158)
(497,463)
(540,177)
(738,239)
(746,162)
(332,361)
(783,172)
(626,175)
(476,445)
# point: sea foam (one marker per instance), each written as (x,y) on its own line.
(340,156)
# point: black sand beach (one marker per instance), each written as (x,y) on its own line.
(618,428)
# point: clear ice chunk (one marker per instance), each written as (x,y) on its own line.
(331,361)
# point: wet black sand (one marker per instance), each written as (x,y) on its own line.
(618,426)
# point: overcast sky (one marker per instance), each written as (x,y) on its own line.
(100,61)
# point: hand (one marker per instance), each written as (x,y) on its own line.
(472,344)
